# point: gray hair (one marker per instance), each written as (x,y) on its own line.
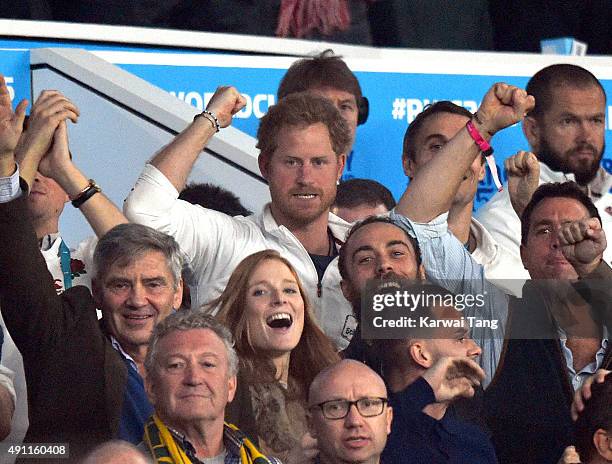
(126,242)
(189,319)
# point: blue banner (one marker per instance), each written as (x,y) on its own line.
(395,97)
(395,100)
(15,67)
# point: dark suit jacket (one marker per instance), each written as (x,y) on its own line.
(75,379)
(528,401)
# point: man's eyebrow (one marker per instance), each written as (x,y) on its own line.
(116,280)
(566,114)
(461,332)
(209,353)
(335,398)
(397,242)
(435,136)
(182,355)
(362,248)
(542,222)
(154,279)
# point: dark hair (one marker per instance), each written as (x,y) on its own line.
(127,242)
(322,70)
(214,197)
(342,258)
(433,298)
(543,83)
(554,190)
(444,106)
(356,192)
(597,414)
(302,110)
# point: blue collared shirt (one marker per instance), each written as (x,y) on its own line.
(578,378)
(449,264)
(136,405)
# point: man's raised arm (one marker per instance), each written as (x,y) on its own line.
(176,160)
(431,192)
(11,126)
(43,148)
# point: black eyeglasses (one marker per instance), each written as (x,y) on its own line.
(339,409)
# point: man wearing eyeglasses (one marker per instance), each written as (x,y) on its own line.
(348,414)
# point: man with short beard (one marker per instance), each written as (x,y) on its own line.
(303,141)
(566,131)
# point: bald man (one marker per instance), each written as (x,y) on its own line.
(348,414)
(116,452)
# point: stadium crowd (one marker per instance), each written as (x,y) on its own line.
(191,330)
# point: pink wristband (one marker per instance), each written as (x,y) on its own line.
(487,150)
(485,147)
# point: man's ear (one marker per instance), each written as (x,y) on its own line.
(264,165)
(178,294)
(408,166)
(603,444)
(232,383)
(419,354)
(341,160)
(421,272)
(150,388)
(96,292)
(310,424)
(389,419)
(524,256)
(532,130)
(347,289)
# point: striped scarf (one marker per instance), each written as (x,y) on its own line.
(164,449)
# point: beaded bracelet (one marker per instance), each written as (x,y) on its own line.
(211,117)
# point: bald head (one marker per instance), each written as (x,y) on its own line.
(116,452)
(343,372)
(361,435)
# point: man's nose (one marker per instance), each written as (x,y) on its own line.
(554,239)
(305,173)
(353,418)
(138,296)
(587,131)
(193,374)
(384,266)
(474,350)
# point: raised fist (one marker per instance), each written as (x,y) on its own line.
(225,103)
(523,178)
(582,243)
(502,106)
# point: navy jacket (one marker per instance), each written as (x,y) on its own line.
(418,438)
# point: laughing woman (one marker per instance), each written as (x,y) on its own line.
(281,350)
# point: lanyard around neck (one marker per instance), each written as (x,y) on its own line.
(64,253)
